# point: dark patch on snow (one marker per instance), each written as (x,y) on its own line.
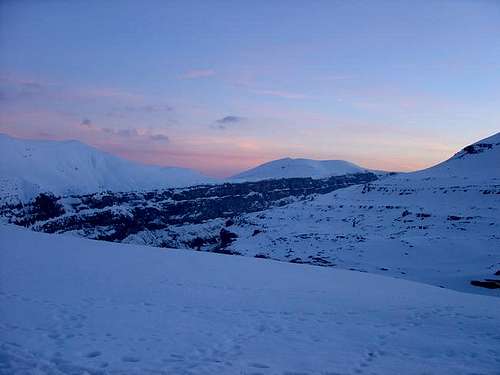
(261,256)
(477,148)
(488,283)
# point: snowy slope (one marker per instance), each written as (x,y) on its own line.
(480,160)
(74,306)
(439,226)
(28,167)
(287,168)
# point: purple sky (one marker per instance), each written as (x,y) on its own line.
(222,86)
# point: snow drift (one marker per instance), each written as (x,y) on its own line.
(74,306)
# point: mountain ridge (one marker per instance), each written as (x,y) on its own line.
(298,167)
(438,226)
(29,167)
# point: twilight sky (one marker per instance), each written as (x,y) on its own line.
(221,86)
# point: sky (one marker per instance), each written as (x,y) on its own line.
(222,86)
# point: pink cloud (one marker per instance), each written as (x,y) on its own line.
(248,81)
(280,94)
(104,93)
(58,91)
(200,73)
(334,77)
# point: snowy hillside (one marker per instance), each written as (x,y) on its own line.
(480,160)
(439,226)
(75,306)
(28,167)
(288,168)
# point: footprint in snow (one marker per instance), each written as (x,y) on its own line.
(130,359)
(258,365)
(93,354)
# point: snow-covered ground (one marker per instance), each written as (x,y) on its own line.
(289,168)
(439,226)
(28,167)
(76,306)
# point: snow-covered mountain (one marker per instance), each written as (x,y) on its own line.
(477,161)
(28,167)
(439,226)
(289,168)
(75,306)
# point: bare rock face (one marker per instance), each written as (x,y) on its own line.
(114,216)
(488,283)
(477,148)
(47,207)
(226,237)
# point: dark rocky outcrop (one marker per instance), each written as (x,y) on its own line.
(46,206)
(115,216)
(488,283)
(226,237)
(477,148)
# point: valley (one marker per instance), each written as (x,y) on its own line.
(438,226)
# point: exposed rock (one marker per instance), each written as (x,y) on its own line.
(488,283)
(477,148)
(262,256)
(46,207)
(405,213)
(226,237)
(423,215)
(116,216)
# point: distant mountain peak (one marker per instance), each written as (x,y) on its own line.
(29,167)
(299,167)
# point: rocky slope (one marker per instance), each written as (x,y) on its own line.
(121,216)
